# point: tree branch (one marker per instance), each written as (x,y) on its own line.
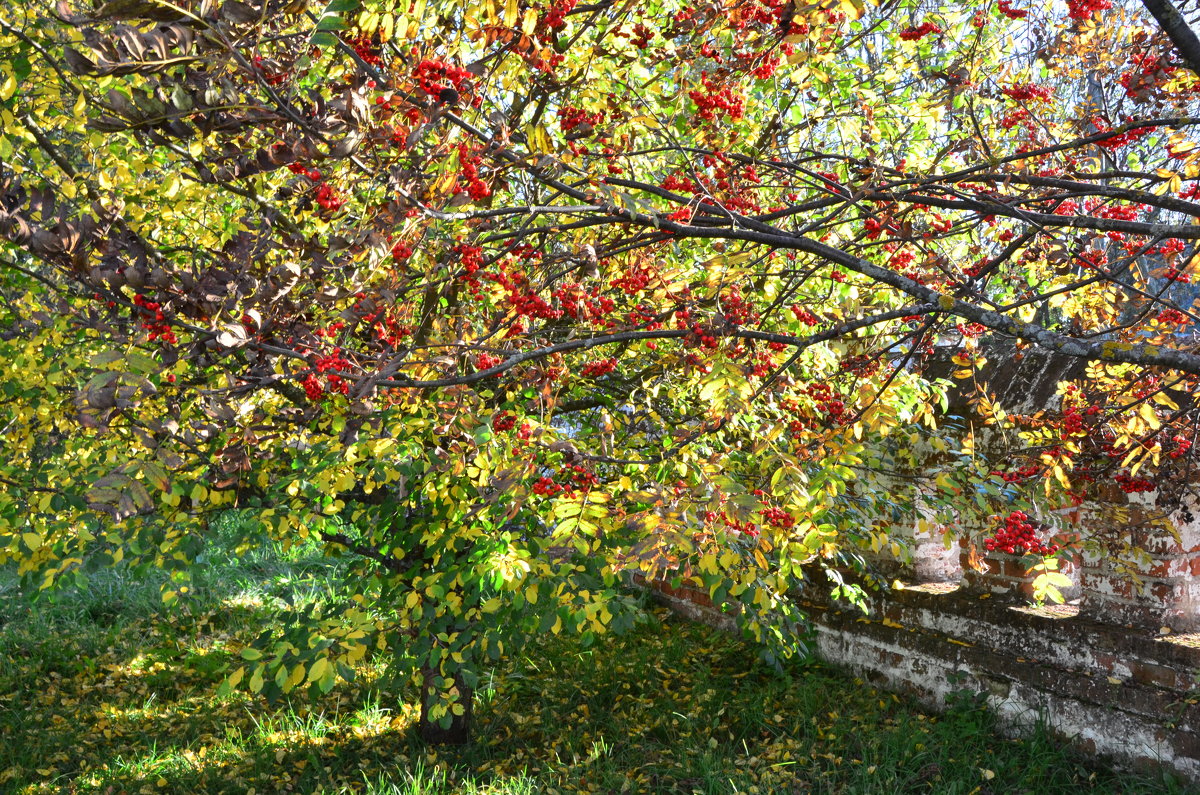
(1177,30)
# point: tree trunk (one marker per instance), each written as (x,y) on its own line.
(459,731)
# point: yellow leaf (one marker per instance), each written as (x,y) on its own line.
(256,680)
(1147,413)
(235,678)
(511,12)
(319,669)
(529,24)
(294,678)
(711,389)
(8,87)
(539,139)
(853,8)
(1163,399)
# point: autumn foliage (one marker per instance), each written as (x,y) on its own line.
(507,300)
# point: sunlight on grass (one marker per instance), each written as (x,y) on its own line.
(249,600)
(127,704)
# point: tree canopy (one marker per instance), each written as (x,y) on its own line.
(505,300)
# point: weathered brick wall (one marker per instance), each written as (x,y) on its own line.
(1114,670)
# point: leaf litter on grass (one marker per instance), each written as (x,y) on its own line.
(673,707)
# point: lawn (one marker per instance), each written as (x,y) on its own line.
(102,690)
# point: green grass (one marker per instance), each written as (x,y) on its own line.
(105,691)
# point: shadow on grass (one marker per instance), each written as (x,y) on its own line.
(106,692)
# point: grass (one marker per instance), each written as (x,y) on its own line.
(105,691)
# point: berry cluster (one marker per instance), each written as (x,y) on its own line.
(154,321)
(1149,72)
(312,387)
(1173,316)
(777,517)
(503,422)
(439,79)
(329,332)
(804,316)
(367,49)
(1019,475)
(570,117)
(576,476)
(700,336)
(736,308)
(326,195)
(546,487)
(554,19)
(827,401)
(729,182)
(1023,92)
(521,295)
(468,163)
(714,97)
(1019,116)
(1117,140)
(633,282)
(1005,7)
(1132,485)
(1130,212)
(486,361)
(327,365)
(1084,9)
(862,365)
(1092,259)
(747,527)
(401,251)
(599,368)
(1073,423)
(970,330)
(1016,538)
(918,32)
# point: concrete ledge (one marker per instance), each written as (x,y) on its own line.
(1112,691)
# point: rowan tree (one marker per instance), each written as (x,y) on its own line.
(504,301)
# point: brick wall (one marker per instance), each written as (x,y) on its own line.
(1114,670)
